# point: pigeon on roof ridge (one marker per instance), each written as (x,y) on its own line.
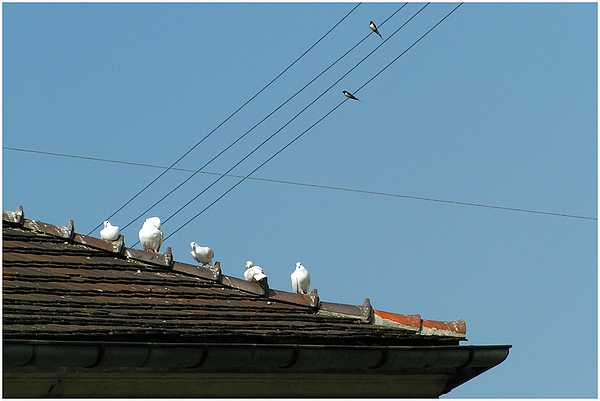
(202,254)
(300,279)
(109,232)
(256,274)
(151,236)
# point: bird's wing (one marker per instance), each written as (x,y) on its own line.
(160,239)
(258,273)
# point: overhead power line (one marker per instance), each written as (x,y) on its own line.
(303,184)
(250,130)
(409,47)
(227,119)
(313,125)
(289,122)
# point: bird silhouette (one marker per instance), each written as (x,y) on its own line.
(374,28)
(350,95)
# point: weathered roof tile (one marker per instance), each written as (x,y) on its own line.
(58,284)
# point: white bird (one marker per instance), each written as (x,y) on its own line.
(151,236)
(256,274)
(202,254)
(253,273)
(300,279)
(109,232)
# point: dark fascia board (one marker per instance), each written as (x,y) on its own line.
(463,362)
(433,370)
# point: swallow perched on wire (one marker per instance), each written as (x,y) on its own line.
(374,29)
(350,95)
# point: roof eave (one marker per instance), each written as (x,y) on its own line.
(453,364)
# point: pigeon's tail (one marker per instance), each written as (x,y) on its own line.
(264,284)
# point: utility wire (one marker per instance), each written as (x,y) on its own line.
(253,171)
(309,185)
(316,185)
(409,47)
(313,125)
(251,129)
(285,125)
(227,119)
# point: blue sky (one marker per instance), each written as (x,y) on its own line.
(469,162)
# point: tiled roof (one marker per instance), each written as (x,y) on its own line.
(60,285)
(85,317)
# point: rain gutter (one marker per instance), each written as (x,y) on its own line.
(463,362)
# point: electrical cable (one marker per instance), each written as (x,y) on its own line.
(251,129)
(317,122)
(309,185)
(290,121)
(227,119)
(409,47)
(315,185)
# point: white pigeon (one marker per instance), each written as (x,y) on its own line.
(109,232)
(300,279)
(202,254)
(151,236)
(255,273)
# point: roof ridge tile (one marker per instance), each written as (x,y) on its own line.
(362,312)
(408,322)
(155,258)
(66,232)
(457,328)
(210,273)
(116,246)
(17,217)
